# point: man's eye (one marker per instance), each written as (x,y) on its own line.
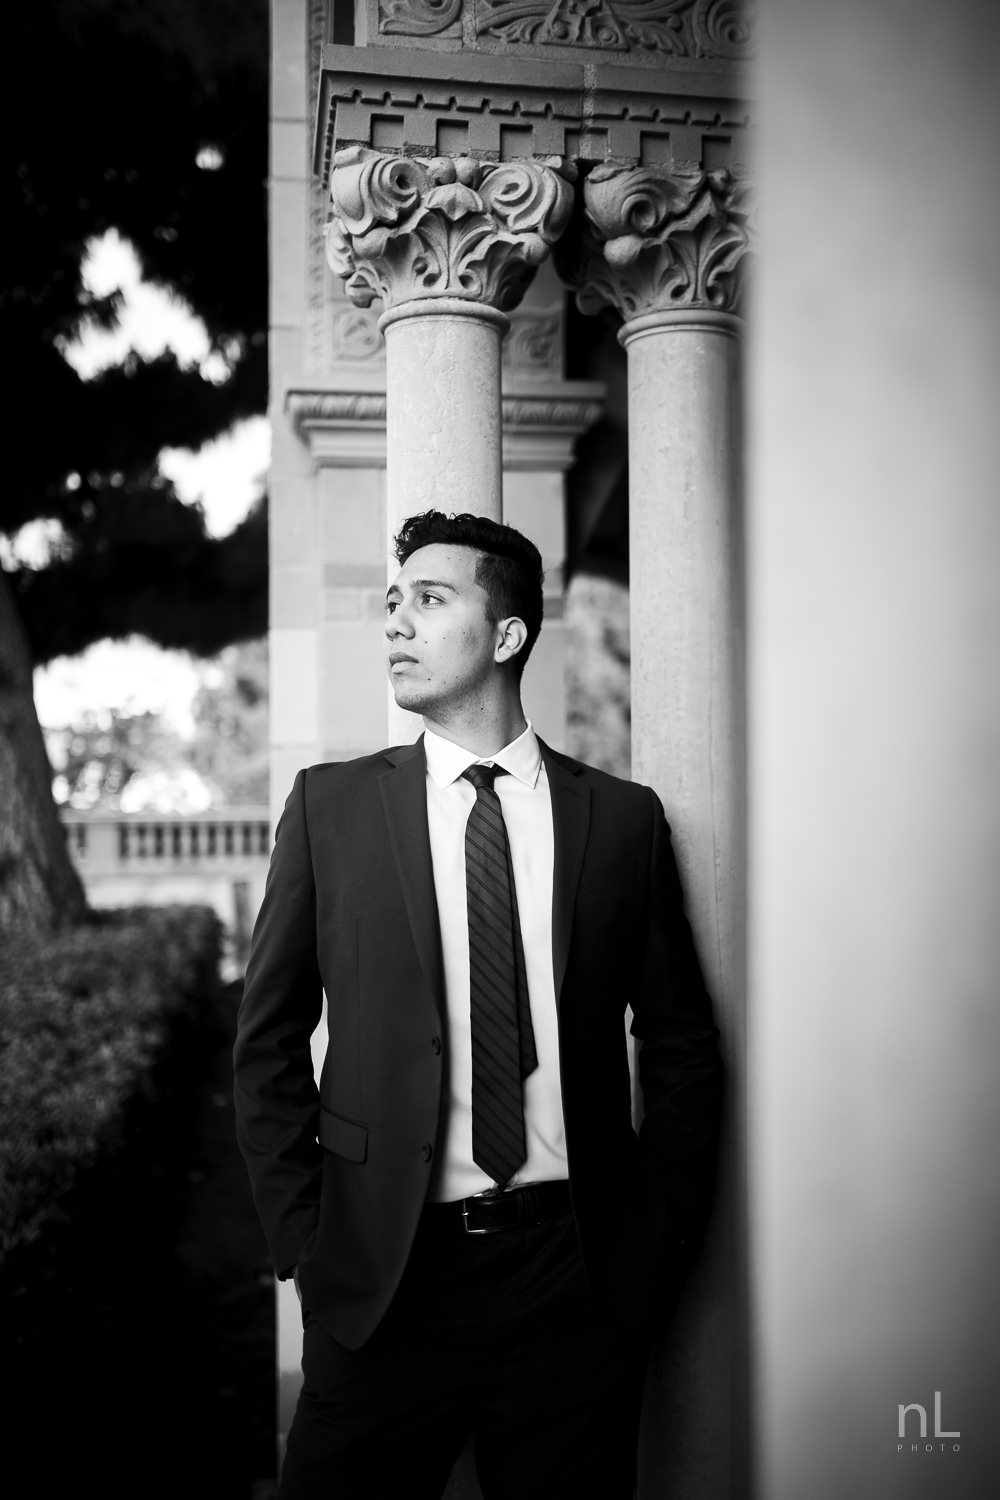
(390,605)
(430,599)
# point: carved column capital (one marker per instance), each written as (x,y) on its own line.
(405,230)
(654,242)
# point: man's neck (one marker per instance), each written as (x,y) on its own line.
(484,733)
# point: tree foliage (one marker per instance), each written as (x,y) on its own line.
(108,752)
(100,755)
(230,745)
(149,117)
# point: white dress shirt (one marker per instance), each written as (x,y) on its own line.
(527,810)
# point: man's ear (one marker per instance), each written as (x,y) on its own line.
(511,636)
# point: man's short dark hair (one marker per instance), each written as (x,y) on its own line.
(509,566)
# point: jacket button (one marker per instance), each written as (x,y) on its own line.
(435,1045)
(427,1151)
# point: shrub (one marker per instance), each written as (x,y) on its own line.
(85,1015)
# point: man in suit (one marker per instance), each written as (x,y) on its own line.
(478,1234)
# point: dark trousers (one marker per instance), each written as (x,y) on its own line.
(496,1335)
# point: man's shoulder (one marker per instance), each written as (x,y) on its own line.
(359,769)
(363,765)
(600,782)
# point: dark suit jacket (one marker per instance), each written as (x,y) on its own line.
(340,1175)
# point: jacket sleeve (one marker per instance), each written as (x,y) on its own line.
(680,1073)
(276,1099)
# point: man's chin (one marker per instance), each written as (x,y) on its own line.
(408,696)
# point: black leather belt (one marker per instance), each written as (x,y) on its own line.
(517,1208)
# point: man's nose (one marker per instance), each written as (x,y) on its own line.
(398,623)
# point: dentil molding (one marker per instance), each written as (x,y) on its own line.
(515,104)
(403,229)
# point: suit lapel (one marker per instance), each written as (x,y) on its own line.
(570,825)
(404,797)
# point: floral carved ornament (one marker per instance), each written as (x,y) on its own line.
(655,241)
(403,229)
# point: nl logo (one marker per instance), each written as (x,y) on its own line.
(918,1421)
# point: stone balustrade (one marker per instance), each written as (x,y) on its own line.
(218,858)
(104,843)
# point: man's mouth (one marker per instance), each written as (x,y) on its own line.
(397,657)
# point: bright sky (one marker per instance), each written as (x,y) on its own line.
(226,476)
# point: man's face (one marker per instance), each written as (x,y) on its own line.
(440,646)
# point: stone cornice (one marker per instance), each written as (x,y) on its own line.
(402,229)
(650,241)
(347,427)
(575,407)
(341,427)
(496,107)
(540,429)
(311,409)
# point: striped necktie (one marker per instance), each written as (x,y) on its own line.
(503,1044)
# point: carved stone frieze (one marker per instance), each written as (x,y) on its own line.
(707,30)
(420,17)
(403,229)
(567,23)
(653,242)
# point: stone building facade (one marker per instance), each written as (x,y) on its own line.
(850,600)
(446,176)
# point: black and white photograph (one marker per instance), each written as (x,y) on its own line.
(500,750)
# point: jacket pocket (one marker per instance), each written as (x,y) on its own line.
(344,1137)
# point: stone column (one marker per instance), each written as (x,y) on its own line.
(664,250)
(443,407)
(449,245)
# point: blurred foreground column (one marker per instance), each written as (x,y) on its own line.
(664,249)
(874,669)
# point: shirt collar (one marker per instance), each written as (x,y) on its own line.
(446,761)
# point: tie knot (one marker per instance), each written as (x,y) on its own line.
(483,777)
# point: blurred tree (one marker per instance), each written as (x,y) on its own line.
(150,118)
(230,746)
(106,752)
(96,758)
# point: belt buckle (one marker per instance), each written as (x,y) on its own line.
(485,1197)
